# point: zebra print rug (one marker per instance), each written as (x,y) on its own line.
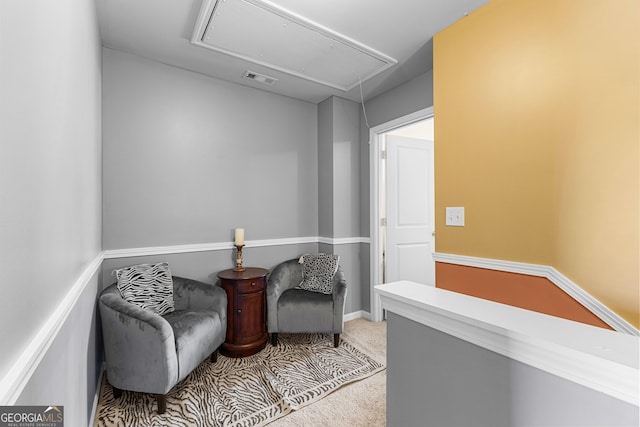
(250,391)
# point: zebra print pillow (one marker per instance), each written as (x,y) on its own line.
(318,271)
(148,286)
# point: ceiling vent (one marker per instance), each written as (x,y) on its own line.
(268,35)
(261,78)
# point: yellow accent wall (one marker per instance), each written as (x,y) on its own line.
(537,129)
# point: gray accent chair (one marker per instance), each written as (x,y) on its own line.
(292,310)
(149,353)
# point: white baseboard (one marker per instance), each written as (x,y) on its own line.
(366,315)
(96,397)
(357,315)
(600,310)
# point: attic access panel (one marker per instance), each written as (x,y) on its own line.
(266,34)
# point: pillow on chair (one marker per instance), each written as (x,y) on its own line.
(148,286)
(318,271)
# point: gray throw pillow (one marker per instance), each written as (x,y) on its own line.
(149,286)
(318,271)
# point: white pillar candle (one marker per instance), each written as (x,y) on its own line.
(239,236)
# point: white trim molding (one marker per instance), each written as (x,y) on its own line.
(14,382)
(600,310)
(96,396)
(357,315)
(493,264)
(376,263)
(223,246)
(164,250)
(594,357)
(343,240)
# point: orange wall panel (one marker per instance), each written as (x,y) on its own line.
(519,290)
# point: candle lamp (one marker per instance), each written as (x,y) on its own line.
(239,244)
(239,266)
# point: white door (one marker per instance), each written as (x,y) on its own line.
(410,210)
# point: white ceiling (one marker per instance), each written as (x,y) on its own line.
(257,30)
(161,30)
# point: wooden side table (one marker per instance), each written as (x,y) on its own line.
(246,311)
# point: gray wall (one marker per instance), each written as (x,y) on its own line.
(351,256)
(339,168)
(205,266)
(188,158)
(346,168)
(339,189)
(68,374)
(435,379)
(325,167)
(408,98)
(50,191)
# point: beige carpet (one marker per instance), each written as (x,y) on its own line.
(329,402)
(359,404)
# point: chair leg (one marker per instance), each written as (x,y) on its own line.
(117,393)
(214,356)
(162,403)
(336,340)
(274,339)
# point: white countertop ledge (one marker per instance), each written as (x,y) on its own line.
(601,359)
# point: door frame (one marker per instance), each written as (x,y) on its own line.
(375,188)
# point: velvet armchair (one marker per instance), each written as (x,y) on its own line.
(291,310)
(150,353)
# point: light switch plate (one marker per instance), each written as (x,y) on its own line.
(455,217)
